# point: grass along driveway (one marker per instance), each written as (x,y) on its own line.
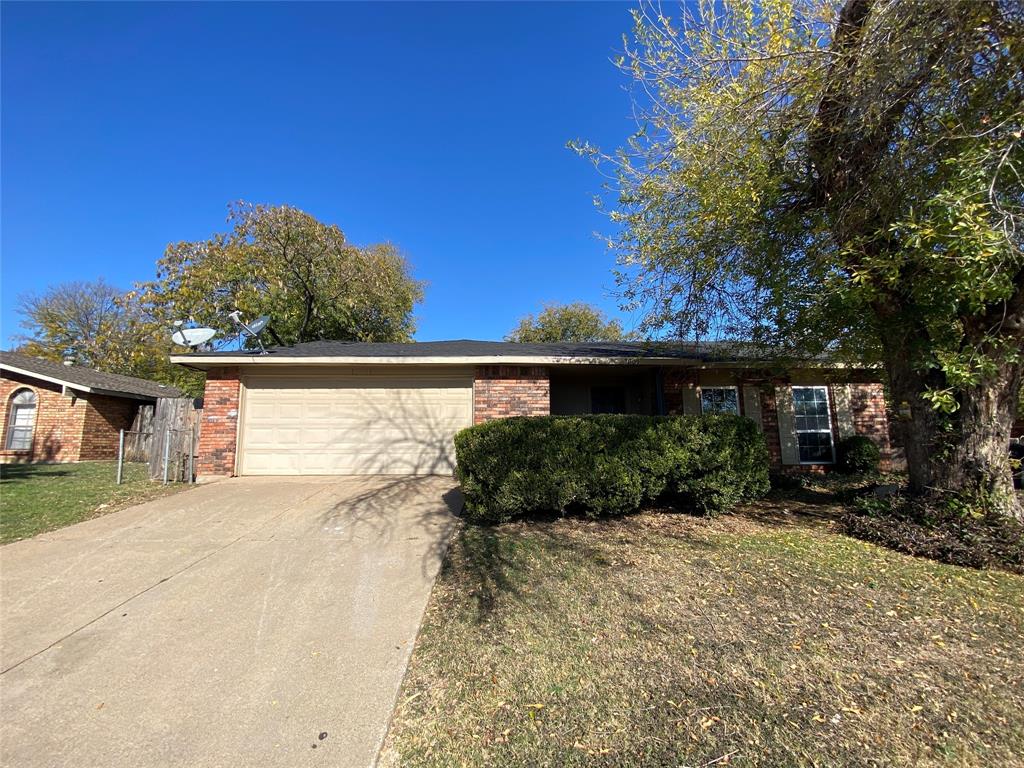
(35,498)
(667,640)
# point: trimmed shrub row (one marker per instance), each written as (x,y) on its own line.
(608,464)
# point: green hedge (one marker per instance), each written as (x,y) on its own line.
(608,465)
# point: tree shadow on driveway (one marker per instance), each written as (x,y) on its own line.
(389,508)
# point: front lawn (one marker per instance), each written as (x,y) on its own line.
(763,638)
(35,498)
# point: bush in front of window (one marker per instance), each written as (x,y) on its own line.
(608,464)
(858,455)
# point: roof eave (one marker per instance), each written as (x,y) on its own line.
(131,395)
(81,387)
(216,361)
(44,377)
(206,362)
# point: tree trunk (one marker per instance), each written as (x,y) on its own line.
(919,423)
(964,454)
(980,463)
(307,314)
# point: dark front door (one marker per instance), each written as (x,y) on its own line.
(607,399)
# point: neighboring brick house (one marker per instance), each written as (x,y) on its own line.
(55,412)
(356,408)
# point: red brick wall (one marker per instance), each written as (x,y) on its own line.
(674,383)
(218,434)
(868,407)
(59,420)
(81,427)
(105,417)
(510,390)
(867,403)
(770,426)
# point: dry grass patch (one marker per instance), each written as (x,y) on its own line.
(665,640)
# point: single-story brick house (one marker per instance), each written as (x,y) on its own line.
(359,408)
(56,412)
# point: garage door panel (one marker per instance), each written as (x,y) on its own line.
(268,464)
(262,411)
(358,424)
(288,410)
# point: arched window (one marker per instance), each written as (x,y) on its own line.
(22,420)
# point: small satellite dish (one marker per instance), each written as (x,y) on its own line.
(192,337)
(257,325)
(253,329)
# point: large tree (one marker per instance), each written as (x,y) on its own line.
(95,324)
(567,322)
(279,261)
(842,177)
(83,320)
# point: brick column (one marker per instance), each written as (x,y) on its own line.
(676,381)
(500,391)
(870,418)
(770,425)
(218,432)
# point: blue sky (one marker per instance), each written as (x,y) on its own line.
(438,127)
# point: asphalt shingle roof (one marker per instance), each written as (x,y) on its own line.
(81,376)
(704,351)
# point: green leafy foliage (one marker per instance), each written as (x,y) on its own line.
(858,454)
(283,262)
(608,464)
(275,260)
(839,176)
(576,322)
(99,326)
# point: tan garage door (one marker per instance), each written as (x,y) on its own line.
(354,424)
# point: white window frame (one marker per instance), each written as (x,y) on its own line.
(734,388)
(12,425)
(831,427)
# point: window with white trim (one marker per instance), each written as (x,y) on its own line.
(21,421)
(719,400)
(813,421)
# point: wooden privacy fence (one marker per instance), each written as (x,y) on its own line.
(165,436)
(174,437)
(138,440)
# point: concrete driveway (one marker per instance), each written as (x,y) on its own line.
(254,621)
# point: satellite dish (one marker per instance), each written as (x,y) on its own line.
(192,337)
(252,330)
(259,324)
